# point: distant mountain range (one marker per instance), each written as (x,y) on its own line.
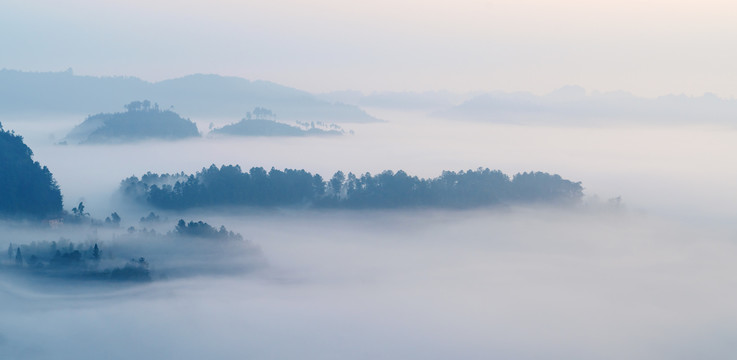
(427,100)
(573,105)
(202,95)
(194,95)
(567,105)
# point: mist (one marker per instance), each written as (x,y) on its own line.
(678,170)
(633,102)
(514,283)
(641,278)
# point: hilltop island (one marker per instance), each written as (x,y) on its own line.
(140,121)
(262,122)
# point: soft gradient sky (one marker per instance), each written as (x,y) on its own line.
(647,47)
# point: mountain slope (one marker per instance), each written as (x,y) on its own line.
(26,188)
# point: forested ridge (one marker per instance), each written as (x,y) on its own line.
(229,185)
(27,189)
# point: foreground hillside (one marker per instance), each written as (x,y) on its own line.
(27,189)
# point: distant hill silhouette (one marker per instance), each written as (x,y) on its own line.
(407,100)
(573,105)
(194,95)
(26,188)
(141,121)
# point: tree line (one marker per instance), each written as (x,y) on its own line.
(65,259)
(89,261)
(229,185)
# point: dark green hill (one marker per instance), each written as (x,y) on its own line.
(141,122)
(26,188)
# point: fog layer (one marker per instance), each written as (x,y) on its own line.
(518,284)
(649,279)
(676,170)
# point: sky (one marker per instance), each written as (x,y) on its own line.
(649,48)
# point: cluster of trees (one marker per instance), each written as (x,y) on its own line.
(141,121)
(228,185)
(204,230)
(318,125)
(144,105)
(69,260)
(260,113)
(79,215)
(88,261)
(150,218)
(27,189)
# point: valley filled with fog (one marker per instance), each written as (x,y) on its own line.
(677,170)
(362,180)
(640,269)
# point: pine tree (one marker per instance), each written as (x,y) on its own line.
(96,253)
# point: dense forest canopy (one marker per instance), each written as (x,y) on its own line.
(27,189)
(140,121)
(229,185)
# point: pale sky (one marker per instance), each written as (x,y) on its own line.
(647,47)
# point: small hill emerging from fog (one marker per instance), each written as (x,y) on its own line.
(262,123)
(141,121)
(204,95)
(257,127)
(228,185)
(26,188)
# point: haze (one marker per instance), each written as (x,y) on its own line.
(648,279)
(649,48)
(641,268)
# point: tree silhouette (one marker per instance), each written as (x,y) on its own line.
(336,183)
(133,106)
(18,257)
(96,253)
(79,210)
(113,219)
